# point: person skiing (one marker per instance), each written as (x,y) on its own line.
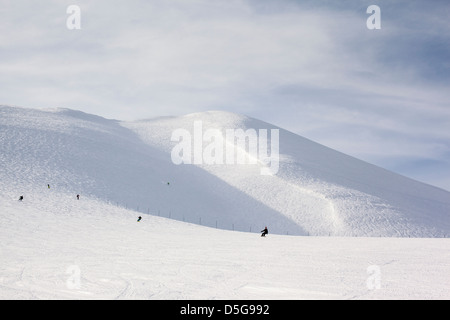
(264,232)
(78,197)
(139,219)
(20,198)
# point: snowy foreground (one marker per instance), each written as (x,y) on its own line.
(56,247)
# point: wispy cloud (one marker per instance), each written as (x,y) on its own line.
(310,66)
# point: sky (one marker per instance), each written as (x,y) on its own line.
(313,67)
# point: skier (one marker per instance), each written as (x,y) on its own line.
(264,232)
(48,186)
(20,198)
(78,197)
(139,219)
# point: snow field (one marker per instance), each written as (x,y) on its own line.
(86,249)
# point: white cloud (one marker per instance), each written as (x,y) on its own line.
(311,66)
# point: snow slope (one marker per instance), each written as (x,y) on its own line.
(316,191)
(53,246)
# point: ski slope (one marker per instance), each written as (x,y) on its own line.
(339,228)
(316,191)
(56,247)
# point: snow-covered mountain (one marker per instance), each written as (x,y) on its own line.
(314,191)
(54,246)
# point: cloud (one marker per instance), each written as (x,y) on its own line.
(310,66)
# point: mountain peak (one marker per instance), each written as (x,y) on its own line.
(316,191)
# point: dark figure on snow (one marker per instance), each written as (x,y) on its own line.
(78,197)
(264,232)
(48,186)
(139,219)
(20,198)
